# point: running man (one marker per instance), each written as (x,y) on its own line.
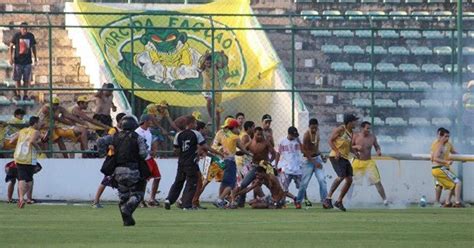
(313,163)
(441,169)
(274,201)
(341,146)
(363,166)
(26,157)
(288,157)
(261,149)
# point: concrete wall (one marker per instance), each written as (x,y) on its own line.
(77,179)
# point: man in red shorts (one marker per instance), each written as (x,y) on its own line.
(146,121)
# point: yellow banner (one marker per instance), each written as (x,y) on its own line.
(167,55)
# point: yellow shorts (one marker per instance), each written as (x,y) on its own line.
(67,133)
(444,177)
(215,172)
(365,168)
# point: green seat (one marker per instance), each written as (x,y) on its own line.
(413,1)
(449,68)
(343,33)
(408,103)
(377,15)
(421,15)
(468,51)
(321,33)
(369,1)
(364,33)
(353,49)
(325,1)
(435,1)
(395,122)
(397,85)
(398,15)
(333,15)
(421,50)
(449,34)
(378,85)
(398,50)
(433,34)
(431,103)
(377,120)
(420,85)
(4,101)
(311,14)
(470,68)
(331,49)
(442,50)
(410,34)
(360,103)
(431,68)
(391,1)
(418,122)
(388,34)
(359,66)
(443,15)
(468,16)
(385,103)
(4,64)
(386,67)
(351,84)
(341,66)
(355,15)
(379,50)
(442,86)
(441,122)
(409,68)
(347,1)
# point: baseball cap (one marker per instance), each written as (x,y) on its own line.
(293,131)
(83,99)
(349,118)
(108,86)
(151,109)
(145,117)
(266,117)
(197,115)
(55,100)
(230,123)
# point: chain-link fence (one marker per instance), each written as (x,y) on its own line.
(398,72)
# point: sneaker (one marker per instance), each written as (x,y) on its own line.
(142,204)
(189,209)
(307,203)
(297,205)
(97,205)
(458,205)
(327,204)
(233,206)
(339,205)
(447,205)
(128,220)
(12,201)
(32,201)
(219,203)
(153,203)
(167,205)
(385,202)
(179,204)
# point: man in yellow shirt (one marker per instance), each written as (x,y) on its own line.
(341,147)
(450,147)
(25,157)
(230,143)
(11,129)
(441,172)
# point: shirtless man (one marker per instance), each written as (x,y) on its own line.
(104,103)
(275,200)
(313,162)
(260,148)
(66,126)
(363,165)
(267,130)
(80,112)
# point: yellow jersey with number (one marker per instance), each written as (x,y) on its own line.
(25,153)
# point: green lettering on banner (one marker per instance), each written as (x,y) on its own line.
(172,21)
(185,24)
(198,25)
(138,25)
(148,23)
(227,43)
(115,36)
(110,42)
(218,37)
(124,31)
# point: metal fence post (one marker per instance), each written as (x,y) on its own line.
(293,68)
(132,82)
(50,85)
(213,82)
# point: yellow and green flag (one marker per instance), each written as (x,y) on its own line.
(164,53)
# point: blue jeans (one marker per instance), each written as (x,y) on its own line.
(308,170)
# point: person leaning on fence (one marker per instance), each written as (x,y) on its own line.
(130,173)
(22,46)
(25,157)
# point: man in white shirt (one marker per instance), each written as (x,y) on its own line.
(289,160)
(146,121)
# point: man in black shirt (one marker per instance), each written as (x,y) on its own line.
(24,44)
(186,143)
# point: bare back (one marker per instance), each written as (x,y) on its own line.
(366,143)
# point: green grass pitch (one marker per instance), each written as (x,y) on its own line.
(82,226)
